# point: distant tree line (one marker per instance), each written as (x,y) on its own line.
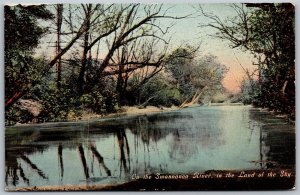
(267,30)
(100,57)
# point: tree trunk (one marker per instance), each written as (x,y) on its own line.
(120,84)
(14,98)
(194,99)
(59,19)
(81,81)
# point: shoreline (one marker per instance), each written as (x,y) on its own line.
(127,111)
(135,111)
(132,111)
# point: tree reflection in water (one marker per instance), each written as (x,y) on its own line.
(277,140)
(16,155)
(83,162)
(123,145)
(25,179)
(60,161)
(99,158)
(33,166)
(165,143)
(14,170)
(182,148)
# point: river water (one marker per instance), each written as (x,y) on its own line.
(112,151)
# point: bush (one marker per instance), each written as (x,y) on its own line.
(159,92)
(16,114)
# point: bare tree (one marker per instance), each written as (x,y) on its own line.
(97,29)
(139,59)
(132,27)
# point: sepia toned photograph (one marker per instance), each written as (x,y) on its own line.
(149,97)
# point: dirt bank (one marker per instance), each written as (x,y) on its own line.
(123,111)
(148,109)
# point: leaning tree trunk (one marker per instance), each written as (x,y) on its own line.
(194,99)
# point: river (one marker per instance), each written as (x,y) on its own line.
(112,151)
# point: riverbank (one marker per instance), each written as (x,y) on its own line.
(136,110)
(123,111)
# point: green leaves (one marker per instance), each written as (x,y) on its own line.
(192,73)
(22,34)
(271,38)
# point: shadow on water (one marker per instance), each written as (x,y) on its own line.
(112,150)
(279,136)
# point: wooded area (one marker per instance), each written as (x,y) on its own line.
(110,55)
(267,30)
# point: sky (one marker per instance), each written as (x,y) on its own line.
(189,31)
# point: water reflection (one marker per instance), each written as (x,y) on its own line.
(60,161)
(100,159)
(110,151)
(180,148)
(277,140)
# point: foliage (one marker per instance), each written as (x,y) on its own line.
(17,115)
(100,103)
(179,65)
(268,31)
(56,105)
(192,74)
(275,40)
(22,34)
(219,97)
(186,75)
(159,92)
(249,91)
